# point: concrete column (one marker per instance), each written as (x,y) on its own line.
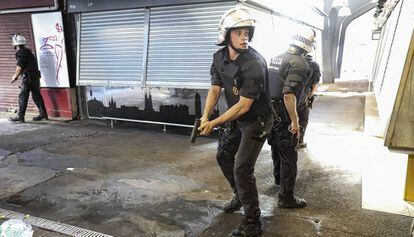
(327,40)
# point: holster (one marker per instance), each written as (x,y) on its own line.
(280,111)
(310,101)
(230,126)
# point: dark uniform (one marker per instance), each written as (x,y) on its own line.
(306,103)
(287,74)
(240,144)
(30,82)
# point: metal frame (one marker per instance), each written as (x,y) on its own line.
(78,39)
(183,85)
(340,53)
(145,47)
(58,227)
(76,6)
(144,121)
(36,9)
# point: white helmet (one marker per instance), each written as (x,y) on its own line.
(235,18)
(18,40)
(304,39)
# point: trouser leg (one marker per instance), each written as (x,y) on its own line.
(246,157)
(23,98)
(275,156)
(289,158)
(244,175)
(37,97)
(228,145)
(303,115)
(288,169)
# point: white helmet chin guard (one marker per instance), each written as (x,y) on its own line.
(18,40)
(304,39)
(235,18)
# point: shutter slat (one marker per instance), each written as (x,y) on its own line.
(9,25)
(111,47)
(182,43)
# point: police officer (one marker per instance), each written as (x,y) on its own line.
(307,99)
(27,66)
(242,72)
(287,75)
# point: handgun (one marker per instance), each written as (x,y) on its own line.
(195,132)
(197,122)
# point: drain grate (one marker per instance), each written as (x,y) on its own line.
(82,132)
(51,225)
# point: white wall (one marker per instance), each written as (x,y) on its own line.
(396,38)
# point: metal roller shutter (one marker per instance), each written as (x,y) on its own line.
(111,47)
(9,25)
(181,44)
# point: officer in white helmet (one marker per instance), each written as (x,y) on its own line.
(308,97)
(242,72)
(27,67)
(287,76)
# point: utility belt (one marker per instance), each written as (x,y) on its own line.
(32,74)
(250,117)
(256,125)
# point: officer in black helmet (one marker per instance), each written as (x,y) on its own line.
(287,76)
(27,66)
(242,72)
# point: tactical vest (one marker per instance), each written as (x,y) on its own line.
(276,81)
(232,82)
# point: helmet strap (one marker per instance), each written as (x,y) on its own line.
(240,51)
(296,50)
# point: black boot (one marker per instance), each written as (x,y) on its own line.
(40,117)
(16,119)
(248,229)
(232,206)
(293,203)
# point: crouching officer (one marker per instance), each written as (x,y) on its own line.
(27,66)
(310,88)
(242,72)
(287,75)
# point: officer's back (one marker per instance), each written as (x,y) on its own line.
(26,60)
(280,67)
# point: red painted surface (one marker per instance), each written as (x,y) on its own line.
(60,103)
